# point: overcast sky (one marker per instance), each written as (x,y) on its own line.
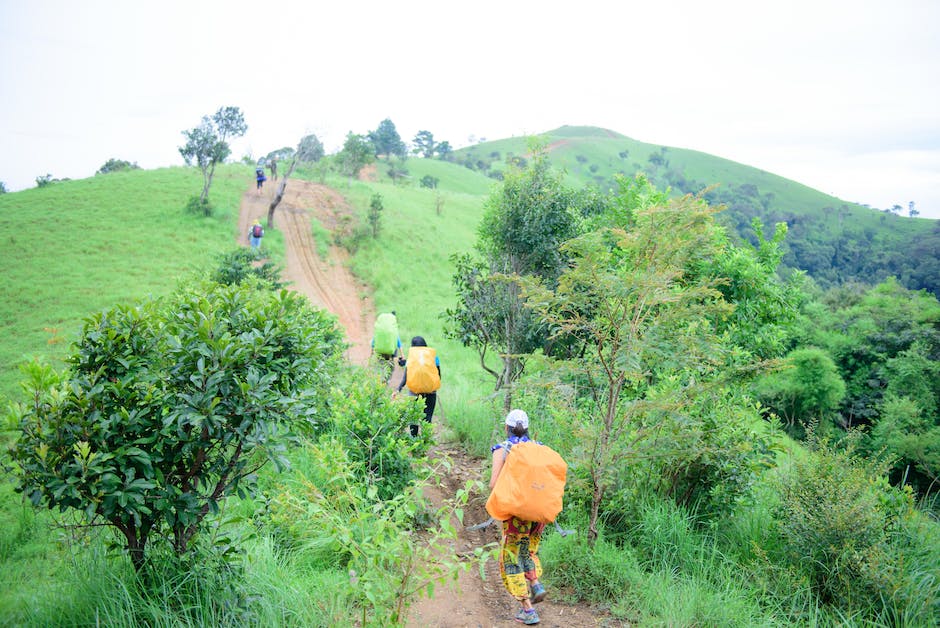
(843,96)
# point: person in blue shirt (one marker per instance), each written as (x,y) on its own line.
(260,178)
(430,398)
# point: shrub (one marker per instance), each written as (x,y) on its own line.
(374,430)
(330,513)
(117,165)
(375,214)
(427,181)
(169,407)
(238,265)
(835,519)
(600,573)
(198,206)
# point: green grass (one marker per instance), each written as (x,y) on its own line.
(76,247)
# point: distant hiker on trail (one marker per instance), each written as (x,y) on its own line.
(386,343)
(259,177)
(255,233)
(422,376)
(519,565)
(272,166)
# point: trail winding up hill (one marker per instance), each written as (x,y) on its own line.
(474,602)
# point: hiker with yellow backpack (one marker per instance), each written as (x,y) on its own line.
(527,484)
(422,376)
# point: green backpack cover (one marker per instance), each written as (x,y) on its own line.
(385,337)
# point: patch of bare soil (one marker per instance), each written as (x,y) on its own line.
(474,601)
(368,173)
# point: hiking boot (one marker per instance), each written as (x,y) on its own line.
(538,592)
(529,618)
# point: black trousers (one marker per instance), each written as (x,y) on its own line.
(430,400)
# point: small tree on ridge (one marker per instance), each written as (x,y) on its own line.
(207,144)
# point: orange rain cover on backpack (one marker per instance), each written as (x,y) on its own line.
(421,370)
(530,485)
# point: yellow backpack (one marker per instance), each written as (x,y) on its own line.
(421,370)
(531,484)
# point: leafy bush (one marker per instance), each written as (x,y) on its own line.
(169,407)
(374,430)
(427,181)
(238,265)
(117,165)
(837,520)
(198,206)
(327,511)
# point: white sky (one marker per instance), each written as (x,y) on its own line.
(843,96)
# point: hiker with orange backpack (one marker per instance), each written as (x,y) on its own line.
(526,483)
(422,376)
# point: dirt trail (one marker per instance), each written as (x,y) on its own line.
(475,602)
(327,283)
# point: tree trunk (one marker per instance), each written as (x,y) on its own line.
(279,194)
(206,182)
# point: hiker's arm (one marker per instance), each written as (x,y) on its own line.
(404,377)
(499,456)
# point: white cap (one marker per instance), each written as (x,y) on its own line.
(517,416)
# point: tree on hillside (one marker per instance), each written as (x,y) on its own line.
(45,180)
(649,352)
(424,144)
(207,144)
(169,408)
(525,221)
(356,153)
(3,187)
(310,148)
(117,165)
(281,154)
(444,151)
(806,393)
(909,425)
(386,141)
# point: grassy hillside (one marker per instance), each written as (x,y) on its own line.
(75,247)
(833,240)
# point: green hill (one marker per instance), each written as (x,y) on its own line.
(75,247)
(834,241)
